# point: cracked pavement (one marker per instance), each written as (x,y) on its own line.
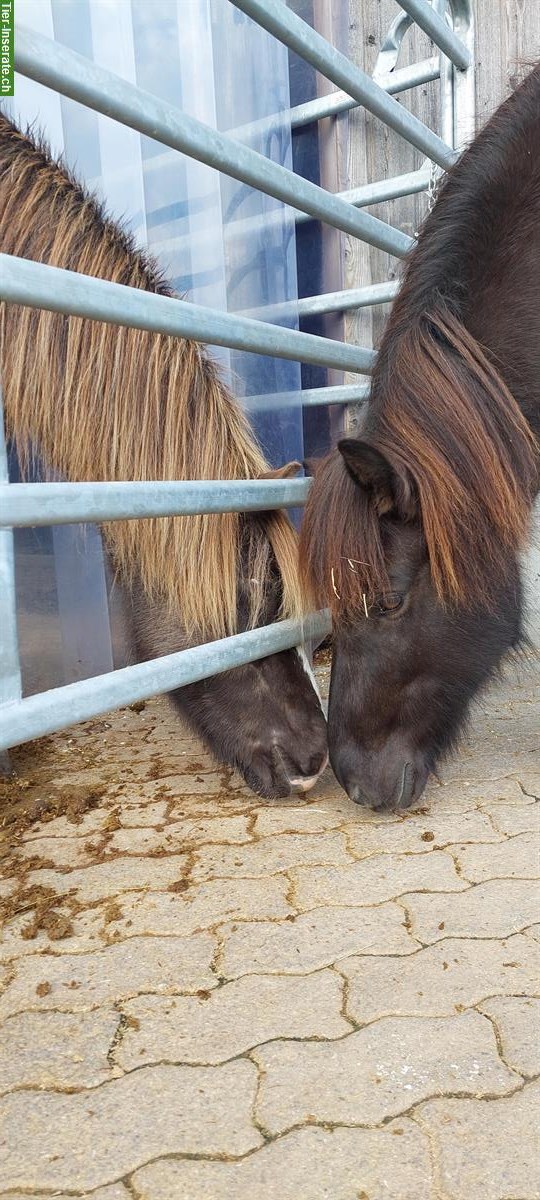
(210,997)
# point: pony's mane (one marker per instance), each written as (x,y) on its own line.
(106,403)
(440,411)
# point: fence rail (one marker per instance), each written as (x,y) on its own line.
(43,286)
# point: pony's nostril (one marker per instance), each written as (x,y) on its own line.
(356,794)
(406,791)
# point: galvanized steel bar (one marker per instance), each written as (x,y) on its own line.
(350,393)
(72,75)
(38,285)
(435,26)
(24,504)
(328,302)
(338,102)
(64,706)
(285,25)
(10,670)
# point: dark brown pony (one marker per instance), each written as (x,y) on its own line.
(413,531)
(105,403)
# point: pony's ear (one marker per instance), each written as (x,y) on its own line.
(287,472)
(373,472)
(311,465)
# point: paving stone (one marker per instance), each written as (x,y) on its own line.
(47,1050)
(456,972)
(201,830)
(420,834)
(517,858)
(379,1071)
(84,1141)
(497,908)
(514,818)
(457,794)
(217,1025)
(533,932)
(305,818)
(78,982)
(142,841)
(154,812)
(112,877)
(488,1151)
(518,1021)
(61,851)
(90,824)
(307,1164)
(270,855)
(313,940)
(373,880)
(88,934)
(116,1191)
(203,906)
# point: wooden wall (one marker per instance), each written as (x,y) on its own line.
(507,37)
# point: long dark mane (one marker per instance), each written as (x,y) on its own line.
(107,403)
(456,387)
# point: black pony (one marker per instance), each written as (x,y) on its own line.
(413,531)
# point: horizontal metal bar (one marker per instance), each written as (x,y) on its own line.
(350,393)
(295,33)
(376,193)
(376,293)
(435,26)
(72,75)
(312,306)
(39,285)
(23,504)
(337,102)
(61,707)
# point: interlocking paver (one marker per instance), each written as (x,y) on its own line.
(459,793)
(220,1024)
(517,858)
(312,940)
(435,981)
(54,1050)
(111,878)
(378,1072)
(413,834)
(513,818)
(307,818)
(170,978)
(114,1191)
(80,1142)
(308,1164)
(517,1019)
(154,812)
(59,852)
(373,880)
(487,1151)
(203,906)
(218,829)
(79,982)
(497,908)
(271,855)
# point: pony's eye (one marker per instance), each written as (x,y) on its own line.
(391,602)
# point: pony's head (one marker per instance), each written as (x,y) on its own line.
(264,718)
(412,535)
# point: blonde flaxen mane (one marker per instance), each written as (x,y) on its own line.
(100,402)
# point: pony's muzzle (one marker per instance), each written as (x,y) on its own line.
(304,783)
(380,781)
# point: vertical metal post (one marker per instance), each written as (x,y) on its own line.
(10,671)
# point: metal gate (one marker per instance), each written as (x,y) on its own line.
(449,24)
